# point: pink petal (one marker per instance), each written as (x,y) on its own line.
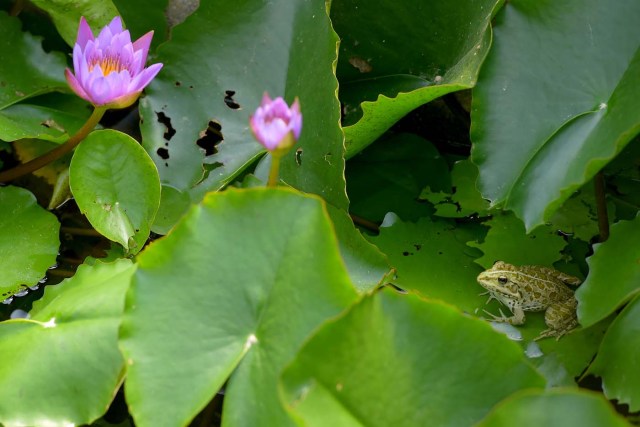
(120,41)
(142,44)
(107,33)
(296,119)
(77,58)
(265,100)
(84,33)
(144,78)
(75,85)
(115,25)
(100,91)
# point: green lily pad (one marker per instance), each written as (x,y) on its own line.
(142,17)
(397,360)
(463,198)
(578,216)
(116,186)
(26,69)
(555,101)
(558,407)
(173,205)
(508,241)
(51,117)
(238,288)
(66,15)
(62,366)
(618,358)
(28,240)
(390,174)
(432,258)
(396,56)
(196,112)
(614,261)
(366,264)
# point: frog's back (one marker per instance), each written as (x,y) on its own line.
(540,287)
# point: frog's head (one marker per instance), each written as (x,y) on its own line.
(500,279)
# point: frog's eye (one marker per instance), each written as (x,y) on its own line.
(502,280)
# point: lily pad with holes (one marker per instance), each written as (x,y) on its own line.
(28,240)
(431,258)
(196,112)
(508,241)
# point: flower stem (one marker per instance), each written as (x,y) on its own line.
(56,153)
(275,168)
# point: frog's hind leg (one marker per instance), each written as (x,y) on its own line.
(561,318)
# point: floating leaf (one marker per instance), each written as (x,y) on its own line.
(62,366)
(116,186)
(396,56)
(434,366)
(614,273)
(366,264)
(389,176)
(618,358)
(248,288)
(508,241)
(142,17)
(464,198)
(431,258)
(196,112)
(25,69)
(566,407)
(173,205)
(556,100)
(28,240)
(51,117)
(66,15)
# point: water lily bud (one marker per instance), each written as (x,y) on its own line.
(109,70)
(275,125)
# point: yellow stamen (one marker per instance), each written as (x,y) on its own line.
(107,65)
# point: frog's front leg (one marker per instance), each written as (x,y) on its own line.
(518,317)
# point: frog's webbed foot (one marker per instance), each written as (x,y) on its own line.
(557,333)
(502,318)
(550,333)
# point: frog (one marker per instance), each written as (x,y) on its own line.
(533,288)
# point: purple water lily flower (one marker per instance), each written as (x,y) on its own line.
(109,70)
(275,125)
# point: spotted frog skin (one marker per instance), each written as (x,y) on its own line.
(533,288)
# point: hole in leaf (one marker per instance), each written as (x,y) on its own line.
(212,166)
(162,118)
(299,156)
(208,167)
(178,83)
(228,99)
(163,153)
(210,138)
